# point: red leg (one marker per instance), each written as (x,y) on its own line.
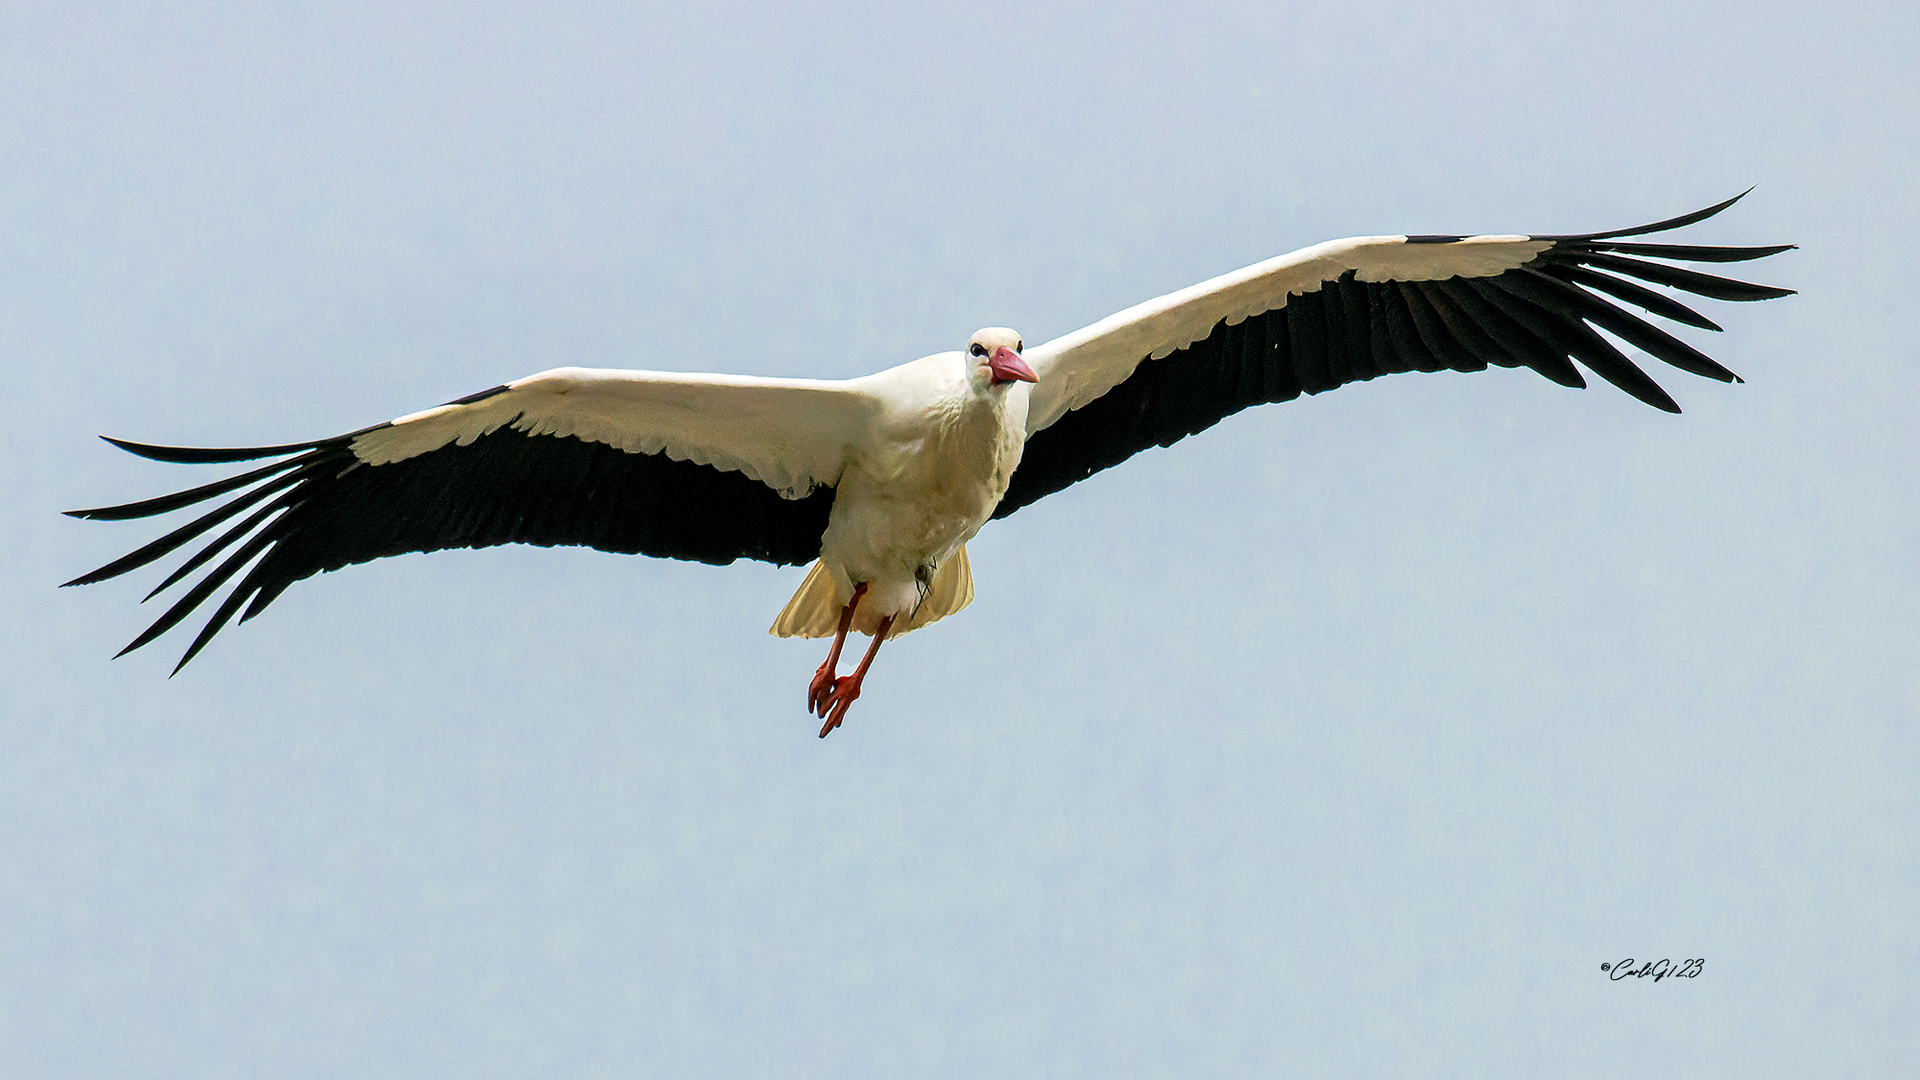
(820,691)
(845,690)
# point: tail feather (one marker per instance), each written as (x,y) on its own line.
(814,611)
(952,590)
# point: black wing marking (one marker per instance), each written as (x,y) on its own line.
(321,509)
(1540,315)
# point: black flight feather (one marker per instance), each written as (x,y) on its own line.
(328,510)
(1542,315)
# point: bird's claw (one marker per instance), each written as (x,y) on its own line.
(827,693)
(820,691)
(839,700)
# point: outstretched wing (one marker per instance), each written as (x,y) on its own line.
(705,467)
(1349,310)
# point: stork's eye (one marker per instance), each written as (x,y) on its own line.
(978,349)
(1019,346)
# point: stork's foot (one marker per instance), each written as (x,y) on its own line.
(820,691)
(838,701)
(830,698)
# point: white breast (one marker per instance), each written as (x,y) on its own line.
(922,486)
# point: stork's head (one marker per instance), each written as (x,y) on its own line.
(993,359)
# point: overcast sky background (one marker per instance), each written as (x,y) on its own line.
(1349,738)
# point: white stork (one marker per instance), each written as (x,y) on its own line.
(880,481)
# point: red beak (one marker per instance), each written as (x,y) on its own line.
(1007,366)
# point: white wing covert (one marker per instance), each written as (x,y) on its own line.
(792,435)
(1078,368)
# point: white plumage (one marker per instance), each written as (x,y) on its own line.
(880,481)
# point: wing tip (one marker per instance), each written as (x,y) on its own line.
(1667,225)
(215,455)
(144,639)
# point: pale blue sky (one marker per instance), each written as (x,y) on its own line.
(1350,737)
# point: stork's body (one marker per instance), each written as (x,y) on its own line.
(880,481)
(929,476)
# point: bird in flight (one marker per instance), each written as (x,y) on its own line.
(880,481)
